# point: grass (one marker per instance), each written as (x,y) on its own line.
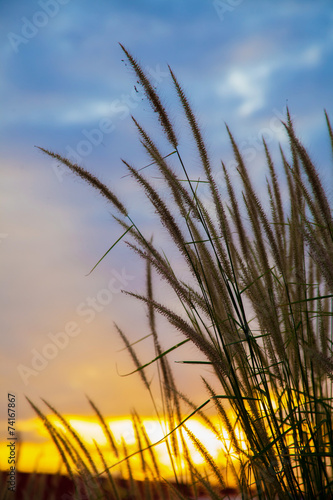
(257,304)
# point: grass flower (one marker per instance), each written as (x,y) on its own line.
(257,304)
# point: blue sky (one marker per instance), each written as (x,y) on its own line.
(240,62)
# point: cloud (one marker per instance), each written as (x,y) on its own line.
(248,86)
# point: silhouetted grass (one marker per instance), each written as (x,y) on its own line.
(258,305)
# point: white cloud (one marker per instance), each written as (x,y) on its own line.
(250,81)
(89,112)
(247,85)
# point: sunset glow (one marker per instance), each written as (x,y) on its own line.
(37,452)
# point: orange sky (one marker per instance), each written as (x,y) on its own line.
(61,342)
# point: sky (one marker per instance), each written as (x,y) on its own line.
(65,87)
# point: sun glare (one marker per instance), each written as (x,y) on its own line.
(38,453)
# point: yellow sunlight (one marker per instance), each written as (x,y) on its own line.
(37,452)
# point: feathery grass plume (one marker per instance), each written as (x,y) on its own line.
(185,293)
(276,205)
(141,240)
(324,363)
(223,225)
(164,213)
(199,413)
(196,337)
(257,215)
(90,179)
(330,131)
(323,314)
(293,209)
(141,429)
(134,357)
(276,187)
(165,380)
(222,241)
(153,98)
(147,494)
(206,455)
(313,176)
(233,451)
(256,302)
(306,199)
(151,311)
(194,126)
(89,477)
(181,196)
(296,169)
(165,377)
(169,222)
(320,255)
(55,437)
(225,419)
(105,427)
(170,403)
(243,238)
(317,233)
(155,483)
